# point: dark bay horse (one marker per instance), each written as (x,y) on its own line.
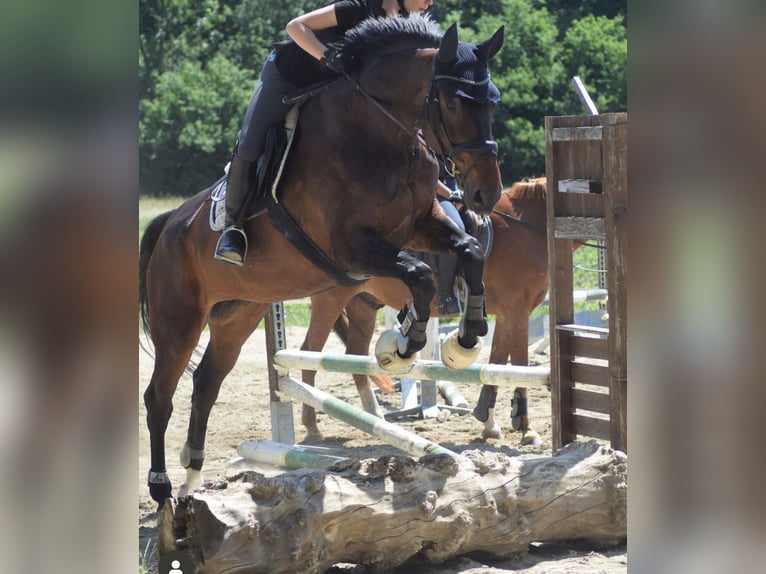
(360,183)
(515,278)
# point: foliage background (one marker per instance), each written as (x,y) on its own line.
(199,61)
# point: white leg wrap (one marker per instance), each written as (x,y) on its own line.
(193,481)
(491,428)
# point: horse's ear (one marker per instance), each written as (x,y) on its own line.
(488,48)
(448,48)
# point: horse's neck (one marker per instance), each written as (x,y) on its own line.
(400,84)
(530,211)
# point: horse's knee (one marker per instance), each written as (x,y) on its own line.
(470,251)
(420,276)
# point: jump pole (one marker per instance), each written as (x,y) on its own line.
(285,455)
(486,374)
(356,417)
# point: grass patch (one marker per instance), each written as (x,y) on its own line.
(147,560)
(151,207)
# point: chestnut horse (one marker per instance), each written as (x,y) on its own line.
(516,280)
(359,182)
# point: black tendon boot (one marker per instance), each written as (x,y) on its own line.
(232,245)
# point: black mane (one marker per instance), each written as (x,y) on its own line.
(376,35)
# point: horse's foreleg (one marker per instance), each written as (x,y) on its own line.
(439,234)
(461,347)
(473,324)
(502,342)
(484,411)
(229,329)
(414,318)
(374,256)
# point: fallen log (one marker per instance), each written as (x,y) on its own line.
(382,513)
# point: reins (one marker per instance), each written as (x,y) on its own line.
(447,151)
(413,134)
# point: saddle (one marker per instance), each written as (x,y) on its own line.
(279,139)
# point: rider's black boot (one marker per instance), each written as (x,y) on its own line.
(232,245)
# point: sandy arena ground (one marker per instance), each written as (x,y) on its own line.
(242,413)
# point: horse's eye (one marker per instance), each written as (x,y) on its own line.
(451,103)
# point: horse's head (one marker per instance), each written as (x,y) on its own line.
(460,116)
(434,73)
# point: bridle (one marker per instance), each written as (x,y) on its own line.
(430,108)
(433,105)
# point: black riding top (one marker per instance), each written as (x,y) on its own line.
(299,67)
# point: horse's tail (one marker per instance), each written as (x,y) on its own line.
(146,247)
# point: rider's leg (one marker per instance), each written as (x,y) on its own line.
(264,110)
(447,267)
(232,245)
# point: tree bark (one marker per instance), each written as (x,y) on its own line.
(382,513)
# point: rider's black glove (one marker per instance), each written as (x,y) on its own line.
(332,60)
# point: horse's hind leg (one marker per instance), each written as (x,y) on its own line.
(174,342)
(519,349)
(501,349)
(361,326)
(325,308)
(231,323)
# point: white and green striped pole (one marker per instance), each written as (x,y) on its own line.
(364,421)
(487,374)
(290,456)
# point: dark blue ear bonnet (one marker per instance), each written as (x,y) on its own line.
(468,78)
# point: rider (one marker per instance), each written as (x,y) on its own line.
(303,60)
(447,263)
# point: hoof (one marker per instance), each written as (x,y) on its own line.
(492,432)
(313,437)
(455,356)
(387,353)
(531,438)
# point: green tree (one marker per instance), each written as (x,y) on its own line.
(199,60)
(596,49)
(526,70)
(567,11)
(187,129)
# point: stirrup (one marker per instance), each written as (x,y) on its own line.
(232,246)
